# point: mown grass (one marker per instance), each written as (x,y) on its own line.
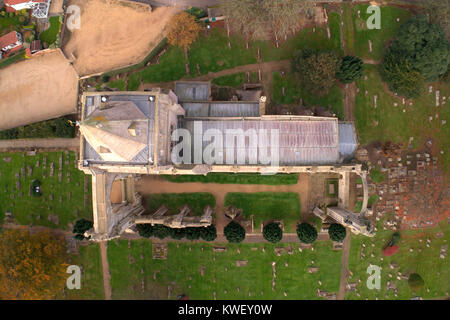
(379,37)
(349,37)
(389,123)
(376,175)
(89,261)
(241,178)
(294,91)
(266,206)
(184,262)
(335,29)
(233,80)
(434,270)
(49,36)
(68,197)
(118,84)
(176,201)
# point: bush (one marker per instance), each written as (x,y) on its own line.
(337,232)
(192,233)
(416,282)
(36,188)
(105,78)
(178,233)
(352,69)
(234,232)
(160,231)
(79,237)
(198,13)
(396,238)
(55,128)
(145,230)
(209,233)
(306,233)
(82,225)
(272,232)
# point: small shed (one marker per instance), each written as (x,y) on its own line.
(36,46)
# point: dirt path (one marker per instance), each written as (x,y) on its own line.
(344,270)
(105,269)
(349,101)
(56,143)
(154,184)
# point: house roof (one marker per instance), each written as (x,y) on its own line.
(8,39)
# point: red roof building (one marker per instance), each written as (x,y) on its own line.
(10,41)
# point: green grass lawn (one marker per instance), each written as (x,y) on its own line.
(64,199)
(171,67)
(175,201)
(89,261)
(349,37)
(16,57)
(233,80)
(294,91)
(335,29)
(379,37)
(426,263)
(394,124)
(184,262)
(118,84)
(49,36)
(241,178)
(268,206)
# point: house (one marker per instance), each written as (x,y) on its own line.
(10,41)
(128,134)
(40,7)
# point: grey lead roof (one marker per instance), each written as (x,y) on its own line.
(221,109)
(347,140)
(192,91)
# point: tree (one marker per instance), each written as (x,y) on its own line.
(81,226)
(234,232)
(178,233)
(439,12)
(400,76)
(416,282)
(352,69)
(396,238)
(272,232)
(306,233)
(183,30)
(420,48)
(32,266)
(161,231)
(145,230)
(192,233)
(316,70)
(208,233)
(337,232)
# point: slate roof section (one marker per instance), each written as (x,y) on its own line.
(221,109)
(301,142)
(192,90)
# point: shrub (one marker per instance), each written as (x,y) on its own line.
(105,78)
(306,233)
(234,232)
(396,238)
(337,232)
(272,232)
(36,188)
(209,233)
(178,233)
(415,281)
(391,250)
(145,230)
(160,231)
(192,233)
(352,69)
(82,225)
(79,237)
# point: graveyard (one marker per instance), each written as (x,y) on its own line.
(153,270)
(64,190)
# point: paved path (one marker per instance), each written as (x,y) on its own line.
(344,270)
(105,269)
(55,143)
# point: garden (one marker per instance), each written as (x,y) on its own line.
(241,178)
(197,202)
(265,206)
(54,128)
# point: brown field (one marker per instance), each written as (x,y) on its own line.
(40,88)
(114,34)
